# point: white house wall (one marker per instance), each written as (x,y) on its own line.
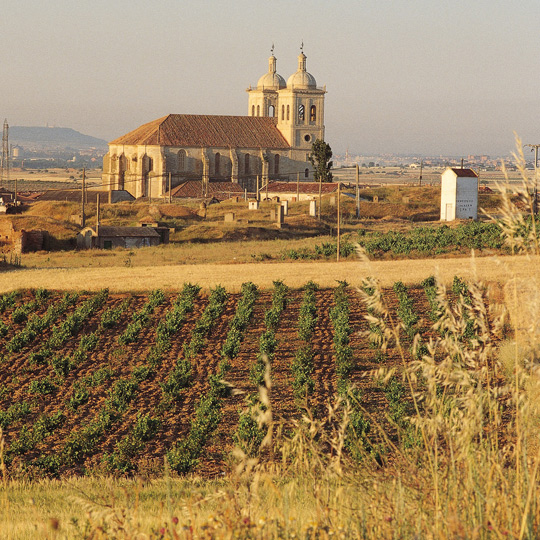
(459,196)
(467,198)
(448,196)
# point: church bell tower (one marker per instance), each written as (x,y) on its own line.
(297,105)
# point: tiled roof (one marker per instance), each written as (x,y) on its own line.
(306,188)
(73,195)
(192,189)
(462,173)
(198,130)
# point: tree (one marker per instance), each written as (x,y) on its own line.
(320,157)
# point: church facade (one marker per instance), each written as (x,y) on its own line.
(272,142)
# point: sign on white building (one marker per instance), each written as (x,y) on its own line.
(459,194)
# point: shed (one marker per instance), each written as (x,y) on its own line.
(459,194)
(103,237)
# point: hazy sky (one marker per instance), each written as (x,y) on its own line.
(429,77)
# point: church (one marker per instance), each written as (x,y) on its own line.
(272,142)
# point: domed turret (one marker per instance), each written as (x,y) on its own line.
(302,79)
(271,80)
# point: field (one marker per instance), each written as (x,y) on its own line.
(295,274)
(276,400)
(105,385)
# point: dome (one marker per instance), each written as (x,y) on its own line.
(271,80)
(302,79)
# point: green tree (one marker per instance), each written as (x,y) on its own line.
(320,157)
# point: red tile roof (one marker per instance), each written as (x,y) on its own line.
(192,189)
(197,130)
(306,188)
(462,173)
(73,195)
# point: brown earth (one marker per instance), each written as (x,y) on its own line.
(16,375)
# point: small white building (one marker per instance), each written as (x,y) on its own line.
(459,194)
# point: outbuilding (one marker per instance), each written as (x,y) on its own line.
(459,194)
(103,237)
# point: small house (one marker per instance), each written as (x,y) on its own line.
(104,237)
(459,194)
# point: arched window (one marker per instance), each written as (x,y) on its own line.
(258,110)
(217,164)
(181,160)
(288,111)
(276,164)
(313,113)
(150,164)
(306,173)
(283,112)
(301,112)
(246,164)
(253,110)
(271,111)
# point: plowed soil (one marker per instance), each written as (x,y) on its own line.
(16,374)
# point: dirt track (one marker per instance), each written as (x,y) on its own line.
(294,274)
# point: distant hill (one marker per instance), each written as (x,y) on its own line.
(53,137)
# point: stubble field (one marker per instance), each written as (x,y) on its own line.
(295,274)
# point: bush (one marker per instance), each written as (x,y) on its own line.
(43,387)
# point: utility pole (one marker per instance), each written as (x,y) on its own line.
(297,187)
(170,188)
(4,165)
(258,189)
(338,221)
(83,196)
(535,199)
(320,196)
(421,167)
(357,192)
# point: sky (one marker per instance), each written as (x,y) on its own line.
(426,77)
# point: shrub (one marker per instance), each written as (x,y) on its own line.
(178,379)
(240,320)
(79,396)
(13,413)
(88,342)
(122,393)
(42,386)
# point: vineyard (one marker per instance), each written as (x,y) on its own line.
(117,383)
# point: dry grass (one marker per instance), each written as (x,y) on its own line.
(294,274)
